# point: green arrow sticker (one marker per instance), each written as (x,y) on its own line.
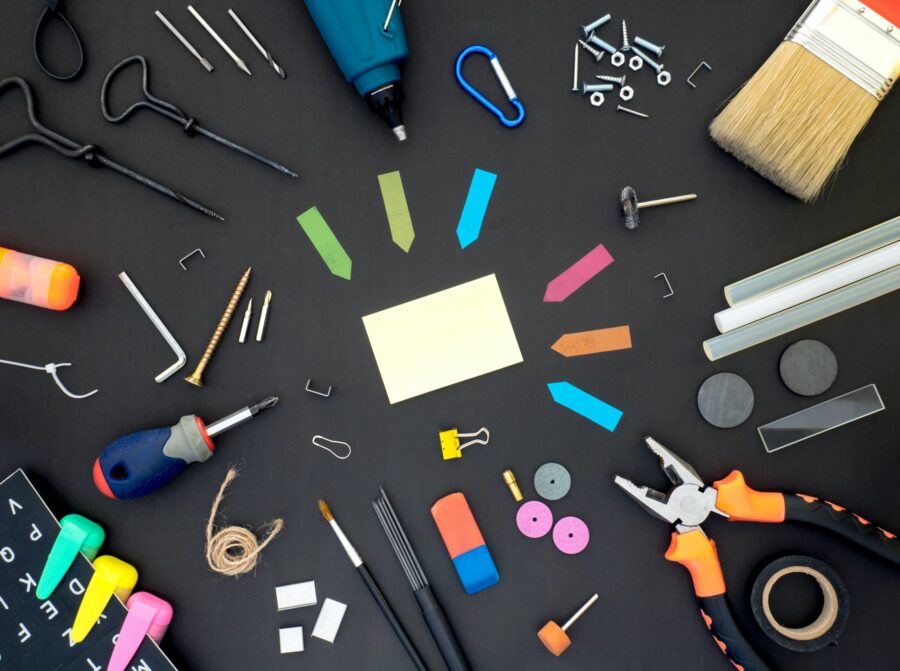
(325,242)
(397,210)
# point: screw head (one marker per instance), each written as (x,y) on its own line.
(635,63)
(618,59)
(663,78)
(626,93)
(597,99)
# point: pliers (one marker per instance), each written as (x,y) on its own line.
(691,501)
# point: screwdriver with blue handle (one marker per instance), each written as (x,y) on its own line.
(142,462)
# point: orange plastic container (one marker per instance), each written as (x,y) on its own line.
(42,282)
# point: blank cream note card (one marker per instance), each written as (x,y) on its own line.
(442,339)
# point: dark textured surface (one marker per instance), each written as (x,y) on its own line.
(556,197)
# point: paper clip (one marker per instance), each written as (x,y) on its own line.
(501,77)
(450,447)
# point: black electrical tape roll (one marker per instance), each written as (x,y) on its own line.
(826,628)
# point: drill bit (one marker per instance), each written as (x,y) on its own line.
(181,38)
(260,47)
(263,317)
(246,323)
(237,59)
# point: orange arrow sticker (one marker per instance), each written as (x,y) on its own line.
(594,342)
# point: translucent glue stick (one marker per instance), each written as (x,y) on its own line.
(42,282)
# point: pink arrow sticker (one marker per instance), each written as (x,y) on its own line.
(576,275)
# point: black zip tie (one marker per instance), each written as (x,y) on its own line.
(55,8)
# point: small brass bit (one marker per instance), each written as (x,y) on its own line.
(196,378)
(510,479)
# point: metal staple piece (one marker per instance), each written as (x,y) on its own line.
(703,64)
(325,394)
(668,284)
(158,323)
(185,258)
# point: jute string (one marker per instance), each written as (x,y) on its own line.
(234,550)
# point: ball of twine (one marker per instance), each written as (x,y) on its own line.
(234,550)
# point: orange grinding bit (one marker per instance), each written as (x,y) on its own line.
(554,637)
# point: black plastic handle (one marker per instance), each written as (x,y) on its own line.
(443,633)
(808,509)
(720,622)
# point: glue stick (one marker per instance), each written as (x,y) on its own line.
(42,282)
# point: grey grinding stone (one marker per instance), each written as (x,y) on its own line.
(552,481)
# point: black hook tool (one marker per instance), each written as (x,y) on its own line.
(55,8)
(167,109)
(90,153)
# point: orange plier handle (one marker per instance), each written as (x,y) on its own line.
(697,553)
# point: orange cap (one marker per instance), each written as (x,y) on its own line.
(37,281)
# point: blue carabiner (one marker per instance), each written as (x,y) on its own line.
(501,77)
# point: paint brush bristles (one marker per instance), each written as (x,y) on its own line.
(794,121)
(796,118)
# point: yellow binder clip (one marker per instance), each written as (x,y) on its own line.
(450,447)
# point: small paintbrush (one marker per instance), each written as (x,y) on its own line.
(374,590)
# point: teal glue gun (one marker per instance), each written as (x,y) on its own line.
(367,40)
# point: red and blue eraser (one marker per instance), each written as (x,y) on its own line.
(465,544)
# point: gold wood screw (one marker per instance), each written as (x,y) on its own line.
(196,378)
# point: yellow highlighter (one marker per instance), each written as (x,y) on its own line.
(111,576)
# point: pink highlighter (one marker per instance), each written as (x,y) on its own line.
(148,615)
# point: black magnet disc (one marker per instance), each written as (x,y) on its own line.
(808,367)
(725,400)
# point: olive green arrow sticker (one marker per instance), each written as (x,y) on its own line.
(397,210)
(325,242)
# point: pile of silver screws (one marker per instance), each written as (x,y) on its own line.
(598,48)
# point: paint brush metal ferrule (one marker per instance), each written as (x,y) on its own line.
(854,40)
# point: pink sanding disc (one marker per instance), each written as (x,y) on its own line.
(571,535)
(534,519)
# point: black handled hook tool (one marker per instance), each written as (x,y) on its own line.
(167,109)
(56,8)
(90,153)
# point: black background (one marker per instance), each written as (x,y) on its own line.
(555,199)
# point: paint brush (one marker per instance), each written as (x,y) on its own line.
(795,119)
(374,590)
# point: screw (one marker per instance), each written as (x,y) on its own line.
(594,88)
(625,44)
(196,378)
(591,27)
(606,46)
(631,111)
(649,61)
(596,53)
(616,80)
(649,46)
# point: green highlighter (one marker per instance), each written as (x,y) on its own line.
(77,534)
